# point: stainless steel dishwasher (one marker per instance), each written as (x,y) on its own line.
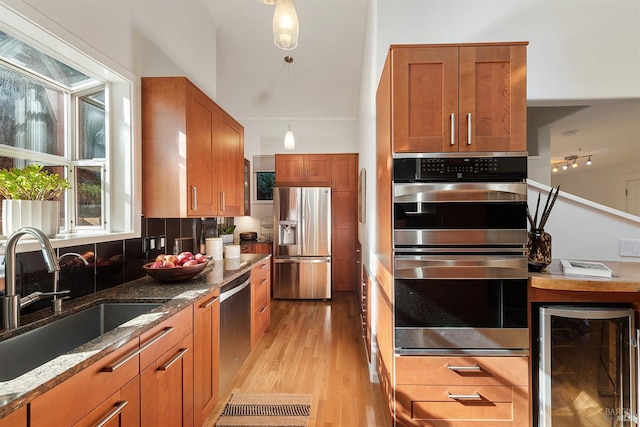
(235,328)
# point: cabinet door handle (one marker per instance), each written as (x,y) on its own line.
(472,368)
(307,179)
(453,128)
(263,282)
(263,309)
(138,351)
(115,411)
(194,198)
(210,302)
(300,174)
(469,129)
(177,357)
(223,202)
(263,266)
(473,396)
(334,183)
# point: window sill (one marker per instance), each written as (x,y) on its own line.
(27,243)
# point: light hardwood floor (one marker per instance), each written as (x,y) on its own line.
(315,347)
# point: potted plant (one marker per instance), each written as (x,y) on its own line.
(226,233)
(30,199)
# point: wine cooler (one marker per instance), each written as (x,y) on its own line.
(587,368)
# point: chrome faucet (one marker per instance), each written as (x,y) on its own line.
(57,302)
(11,302)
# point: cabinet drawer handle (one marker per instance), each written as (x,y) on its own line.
(133,354)
(263,281)
(472,368)
(210,302)
(194,198)
(177,357)
(453,128)
(473,396)
(115,411)
(263,309)
(264,265)
(469,129)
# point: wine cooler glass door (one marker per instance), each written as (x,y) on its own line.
(587,370)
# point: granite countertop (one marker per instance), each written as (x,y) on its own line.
(173,297)
(625,278)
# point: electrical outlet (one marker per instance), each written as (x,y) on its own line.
(162,243)
(630,247)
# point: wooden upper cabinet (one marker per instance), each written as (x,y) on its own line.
(344,172)
(458,98)
(303,170)
(192,153)
(229,162)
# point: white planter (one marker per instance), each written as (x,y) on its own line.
(41,214)
(227,238)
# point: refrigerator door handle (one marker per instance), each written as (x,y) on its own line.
(297,260)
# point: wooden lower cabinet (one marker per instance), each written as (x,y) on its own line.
(166,388)
(85,393)
(439,391)
(206,355)
(260,300)
(121,409)
(17,418)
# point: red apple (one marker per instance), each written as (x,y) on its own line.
(190,262)
(160,258)
(168,264)
(201,258)
(156,264)
(184,257)
(171,258)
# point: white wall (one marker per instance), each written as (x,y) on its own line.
(581,229)
(147,38)
(578,49)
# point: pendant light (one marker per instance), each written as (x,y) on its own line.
(289,140)
(285,25)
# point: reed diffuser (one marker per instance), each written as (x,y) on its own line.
(539,241)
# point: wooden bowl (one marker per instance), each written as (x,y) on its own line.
(248,235)
(175,274)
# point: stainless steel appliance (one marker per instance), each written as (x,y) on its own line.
(460,265)
(302,242)
(235,328)
(587,366)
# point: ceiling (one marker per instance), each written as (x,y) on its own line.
(323,82)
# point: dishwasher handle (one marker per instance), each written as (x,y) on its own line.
(231,292)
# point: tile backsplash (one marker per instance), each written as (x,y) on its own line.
(110,263)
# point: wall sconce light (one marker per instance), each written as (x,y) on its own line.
(285,25)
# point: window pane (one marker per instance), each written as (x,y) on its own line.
(89,196)
(18,53)
(31,114)
(92,127)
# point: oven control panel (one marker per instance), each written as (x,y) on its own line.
(460,169)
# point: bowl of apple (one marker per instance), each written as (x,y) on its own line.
(175,268)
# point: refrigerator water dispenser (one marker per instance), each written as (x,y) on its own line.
(287,232)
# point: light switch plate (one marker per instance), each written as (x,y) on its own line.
(630,247)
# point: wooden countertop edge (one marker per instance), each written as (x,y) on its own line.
(626,278)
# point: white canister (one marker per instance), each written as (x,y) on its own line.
(216,274)
(232,263)
(213,247)
(232,251)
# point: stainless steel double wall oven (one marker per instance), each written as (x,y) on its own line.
(460,264)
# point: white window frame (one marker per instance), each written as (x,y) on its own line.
(122,204)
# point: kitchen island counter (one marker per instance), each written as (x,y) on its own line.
(173,297)
(625,279)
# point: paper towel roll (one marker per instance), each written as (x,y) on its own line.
(213,247)
(232,251)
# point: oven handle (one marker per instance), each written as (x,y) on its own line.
(460,267)
(460,192)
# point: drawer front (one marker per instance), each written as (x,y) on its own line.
(161,338)
(261,295)
(469,370)
(260,271)
(120,409)
(458,406)
(68,402)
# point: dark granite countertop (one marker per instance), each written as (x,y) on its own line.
(174,298)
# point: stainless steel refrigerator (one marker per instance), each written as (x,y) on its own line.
(302,242)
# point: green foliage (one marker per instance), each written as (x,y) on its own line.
(31,183)
(227,230)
